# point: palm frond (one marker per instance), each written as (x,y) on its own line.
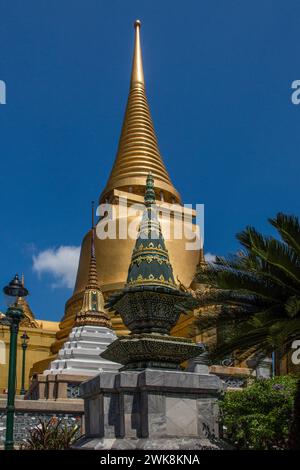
(289,228)
(257,291)
(273,252)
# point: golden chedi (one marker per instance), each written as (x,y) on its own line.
(138,153)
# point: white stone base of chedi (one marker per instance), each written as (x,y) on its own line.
(80,355)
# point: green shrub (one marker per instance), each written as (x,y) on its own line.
(260,416)
(51,435)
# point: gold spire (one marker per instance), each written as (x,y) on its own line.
(92,311)
(201,261)
(138,151)
(29,318)
(137,73)
(93,276)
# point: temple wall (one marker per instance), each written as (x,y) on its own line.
(38,349)
(29,412)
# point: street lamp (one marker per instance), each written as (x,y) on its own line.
(25,338)
(14,315)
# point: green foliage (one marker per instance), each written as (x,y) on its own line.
(260,416)
(294,437)
(51,435)
(258,291)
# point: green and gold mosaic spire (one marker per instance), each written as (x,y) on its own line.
(150,266)
(150,302)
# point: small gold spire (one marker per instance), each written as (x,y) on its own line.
(29,318)
(92,311)
(201,258)
(93,276)
(93,212)
(138,150)
(137,74)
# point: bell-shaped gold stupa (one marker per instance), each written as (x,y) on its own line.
(138,151)
(137,154)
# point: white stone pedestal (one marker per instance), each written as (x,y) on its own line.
(80,355)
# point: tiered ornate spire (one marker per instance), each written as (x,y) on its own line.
(201,270)
(138,151)
(201,261)
(151,300)
(150,303)
(93,276)
(92,311)
(29,318)
(150,265)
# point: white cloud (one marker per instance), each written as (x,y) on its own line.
(61,263)
(210,258)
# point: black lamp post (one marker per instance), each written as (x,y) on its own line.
(14,315)
(25,338)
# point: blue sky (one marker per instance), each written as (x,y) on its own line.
(218,78)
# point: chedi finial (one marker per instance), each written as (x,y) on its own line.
(137,74)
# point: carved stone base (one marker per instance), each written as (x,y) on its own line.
(154,444)
(151,409)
